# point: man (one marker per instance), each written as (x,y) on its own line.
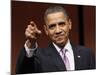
(60,55)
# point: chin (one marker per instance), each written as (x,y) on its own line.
(60,43)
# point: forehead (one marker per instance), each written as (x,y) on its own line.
(55,17)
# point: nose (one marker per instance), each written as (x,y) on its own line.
(57,30)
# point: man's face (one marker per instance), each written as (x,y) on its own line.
(57,28)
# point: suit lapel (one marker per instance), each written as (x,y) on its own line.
(56,58)
(76,56)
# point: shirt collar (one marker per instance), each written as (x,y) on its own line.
(67,46)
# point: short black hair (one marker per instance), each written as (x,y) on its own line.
(54,9)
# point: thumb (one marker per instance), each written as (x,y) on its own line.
(38,31)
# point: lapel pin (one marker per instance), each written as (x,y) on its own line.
(78,56)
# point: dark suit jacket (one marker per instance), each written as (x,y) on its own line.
(49,60)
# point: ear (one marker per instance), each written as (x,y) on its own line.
(70,24)
(45,29)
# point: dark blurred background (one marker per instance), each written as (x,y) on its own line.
(83,25)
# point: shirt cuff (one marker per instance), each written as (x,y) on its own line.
(30,51)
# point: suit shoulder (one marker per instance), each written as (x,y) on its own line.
(83,49)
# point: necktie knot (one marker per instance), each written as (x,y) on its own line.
(63,51)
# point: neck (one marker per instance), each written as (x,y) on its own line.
(62,45)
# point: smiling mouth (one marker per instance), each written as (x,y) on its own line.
(59,37)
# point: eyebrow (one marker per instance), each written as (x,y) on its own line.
(51,25)
(61,23)
(54,24)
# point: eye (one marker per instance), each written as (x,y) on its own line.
(51,26)
(61,23)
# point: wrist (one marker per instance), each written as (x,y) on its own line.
(31,44)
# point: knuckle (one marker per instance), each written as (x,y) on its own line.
(26,34)
(31,32)
(26,29)
(28,26)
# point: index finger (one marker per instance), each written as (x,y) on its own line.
(32,23)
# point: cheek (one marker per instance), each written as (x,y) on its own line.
(66,30)
(50,33)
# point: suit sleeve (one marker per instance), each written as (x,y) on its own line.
(27,65)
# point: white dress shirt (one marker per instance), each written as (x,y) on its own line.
(29,51)
(69,53)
